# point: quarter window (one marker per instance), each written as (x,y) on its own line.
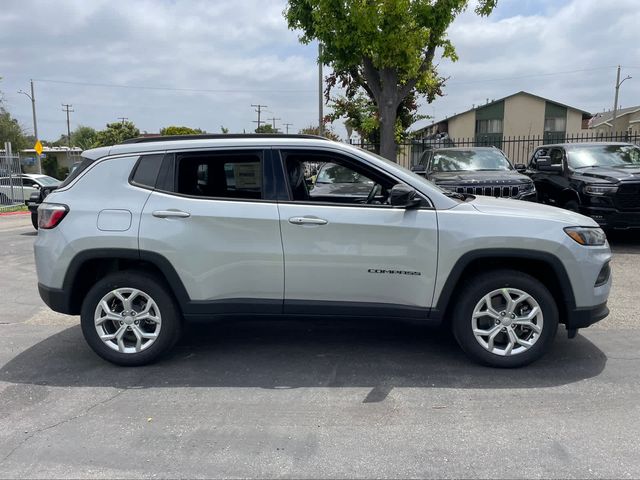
(146,172)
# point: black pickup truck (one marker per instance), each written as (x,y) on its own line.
(599,180)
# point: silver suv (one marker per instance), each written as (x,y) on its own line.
(153,232)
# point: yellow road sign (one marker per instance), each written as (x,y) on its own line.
(38,147)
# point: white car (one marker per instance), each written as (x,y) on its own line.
(18,188)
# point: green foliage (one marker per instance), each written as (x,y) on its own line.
(83,137)
(178,130)
(11,131)
(384,47)
(313,130)
(115,133)
(50,166)
(224,130)
(266,128)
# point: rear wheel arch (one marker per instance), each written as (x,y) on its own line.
(89,266)
(543,266)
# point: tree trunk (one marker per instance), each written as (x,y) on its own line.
(388,113)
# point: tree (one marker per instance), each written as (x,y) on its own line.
(12,131)
(327,133)
(174,130)
(385,47)
(266,128)
(115,133)
(83,137)
(224,129)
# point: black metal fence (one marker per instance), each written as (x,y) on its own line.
(517,148)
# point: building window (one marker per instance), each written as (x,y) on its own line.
(489,126)
(555,124)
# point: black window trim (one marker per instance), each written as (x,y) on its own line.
(278,159)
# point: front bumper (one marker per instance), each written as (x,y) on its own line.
(584,317)
(612,218)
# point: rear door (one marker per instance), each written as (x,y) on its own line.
(211,219)
(354,255)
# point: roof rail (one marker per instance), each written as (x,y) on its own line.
(168,138)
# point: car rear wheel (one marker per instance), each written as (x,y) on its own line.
(505,319)
(130,318)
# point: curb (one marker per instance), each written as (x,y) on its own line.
(8,214)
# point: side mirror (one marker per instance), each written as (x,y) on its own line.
(544,165)
(404,196)
(521,167)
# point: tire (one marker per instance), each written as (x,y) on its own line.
(496,285)
(34,220)
(572,205)
(141,341)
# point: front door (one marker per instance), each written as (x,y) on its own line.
(346,250)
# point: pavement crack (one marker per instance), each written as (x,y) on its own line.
(61,422)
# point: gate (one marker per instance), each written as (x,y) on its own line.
(11,191)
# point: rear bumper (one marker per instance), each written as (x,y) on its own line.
(583,317)
(56,299)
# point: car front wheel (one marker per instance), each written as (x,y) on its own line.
(130,318)
(505,318)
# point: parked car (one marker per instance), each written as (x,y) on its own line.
(25,188)
(153,232)
(476,170)
(600,180)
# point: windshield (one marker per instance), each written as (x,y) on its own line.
(332,173)
(47,181)
(463,160)
(604,156)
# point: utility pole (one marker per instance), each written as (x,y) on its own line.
(287,125)
(273,122)
(615,101)
(320,88)
(67,108)
(32,97)
(259,111)
(124,119)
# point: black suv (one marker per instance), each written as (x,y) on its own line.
(600,180)
(475,170)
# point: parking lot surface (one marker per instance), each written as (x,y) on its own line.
(309,398)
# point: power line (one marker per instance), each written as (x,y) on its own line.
(273,121)
(170,89)
(67,108)
(124,119)
(286,126)
(550,74)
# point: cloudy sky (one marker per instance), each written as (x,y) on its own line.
(202,63)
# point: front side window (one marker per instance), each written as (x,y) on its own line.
(236,176)
(332,179)
(469,160)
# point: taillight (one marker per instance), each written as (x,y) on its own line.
(51,214)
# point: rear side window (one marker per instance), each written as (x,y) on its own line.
(84,164)
(146,170)
(219,175)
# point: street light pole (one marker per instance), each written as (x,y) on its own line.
(320,85)
(615,101)
(32,97)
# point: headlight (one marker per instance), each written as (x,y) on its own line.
(528,187)
(600,189)
(588,236)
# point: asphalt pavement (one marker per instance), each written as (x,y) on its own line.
(309,398)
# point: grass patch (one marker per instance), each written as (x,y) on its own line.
(13,208)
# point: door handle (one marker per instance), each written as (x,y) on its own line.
(170,214)
(307,221)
